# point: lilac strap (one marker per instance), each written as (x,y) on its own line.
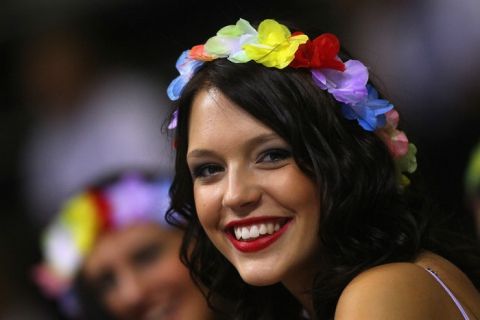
(457,303)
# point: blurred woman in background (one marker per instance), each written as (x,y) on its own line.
(110,255)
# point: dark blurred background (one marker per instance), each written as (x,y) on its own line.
(75,73)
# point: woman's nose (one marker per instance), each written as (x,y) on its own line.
(132,291)
(242,191)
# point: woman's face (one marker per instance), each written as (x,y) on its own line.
(138,275)
(255,204)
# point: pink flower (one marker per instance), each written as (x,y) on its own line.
(396,140)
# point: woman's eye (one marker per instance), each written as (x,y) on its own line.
(274,155)
(206,170)
(147,254)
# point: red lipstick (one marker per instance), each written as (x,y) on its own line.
(263,241)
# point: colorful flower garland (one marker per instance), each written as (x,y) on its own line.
(274,46)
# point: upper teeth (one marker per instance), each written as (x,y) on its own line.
(256,230)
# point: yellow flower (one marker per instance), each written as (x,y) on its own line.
(80,216)
(276,46)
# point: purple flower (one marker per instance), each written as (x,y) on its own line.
(346,86)
(173,120)
(370,113)
(135,200)
(186,66)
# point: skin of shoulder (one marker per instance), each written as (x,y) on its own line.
(394,291)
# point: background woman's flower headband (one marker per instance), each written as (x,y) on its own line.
(274,46)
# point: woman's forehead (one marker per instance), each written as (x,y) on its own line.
(214,119)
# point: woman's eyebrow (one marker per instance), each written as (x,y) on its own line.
(199,153)
(262,138)
(254,141)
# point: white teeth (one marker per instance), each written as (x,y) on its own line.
(256,230)
(238,233)
(270,228)
(263,229)
(245,233)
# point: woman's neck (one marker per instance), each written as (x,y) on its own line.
(300,286)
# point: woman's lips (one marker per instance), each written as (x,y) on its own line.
(255,234)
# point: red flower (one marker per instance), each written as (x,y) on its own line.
(104,210)
(320,53)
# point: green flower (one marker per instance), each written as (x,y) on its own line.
(229,41)
(408,162)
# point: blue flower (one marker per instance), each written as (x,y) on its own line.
(370,113)
(187,67)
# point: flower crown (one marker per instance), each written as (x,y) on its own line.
(85,216)
(274,46)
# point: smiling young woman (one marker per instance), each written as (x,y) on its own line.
(291,176)
(253,201)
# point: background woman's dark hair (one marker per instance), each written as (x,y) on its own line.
(365,218)
(89,301)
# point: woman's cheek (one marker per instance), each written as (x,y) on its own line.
(208,204)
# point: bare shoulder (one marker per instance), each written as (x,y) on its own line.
(394,291)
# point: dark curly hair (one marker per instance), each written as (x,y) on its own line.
(366,218)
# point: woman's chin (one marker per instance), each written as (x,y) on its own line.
(259,279)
